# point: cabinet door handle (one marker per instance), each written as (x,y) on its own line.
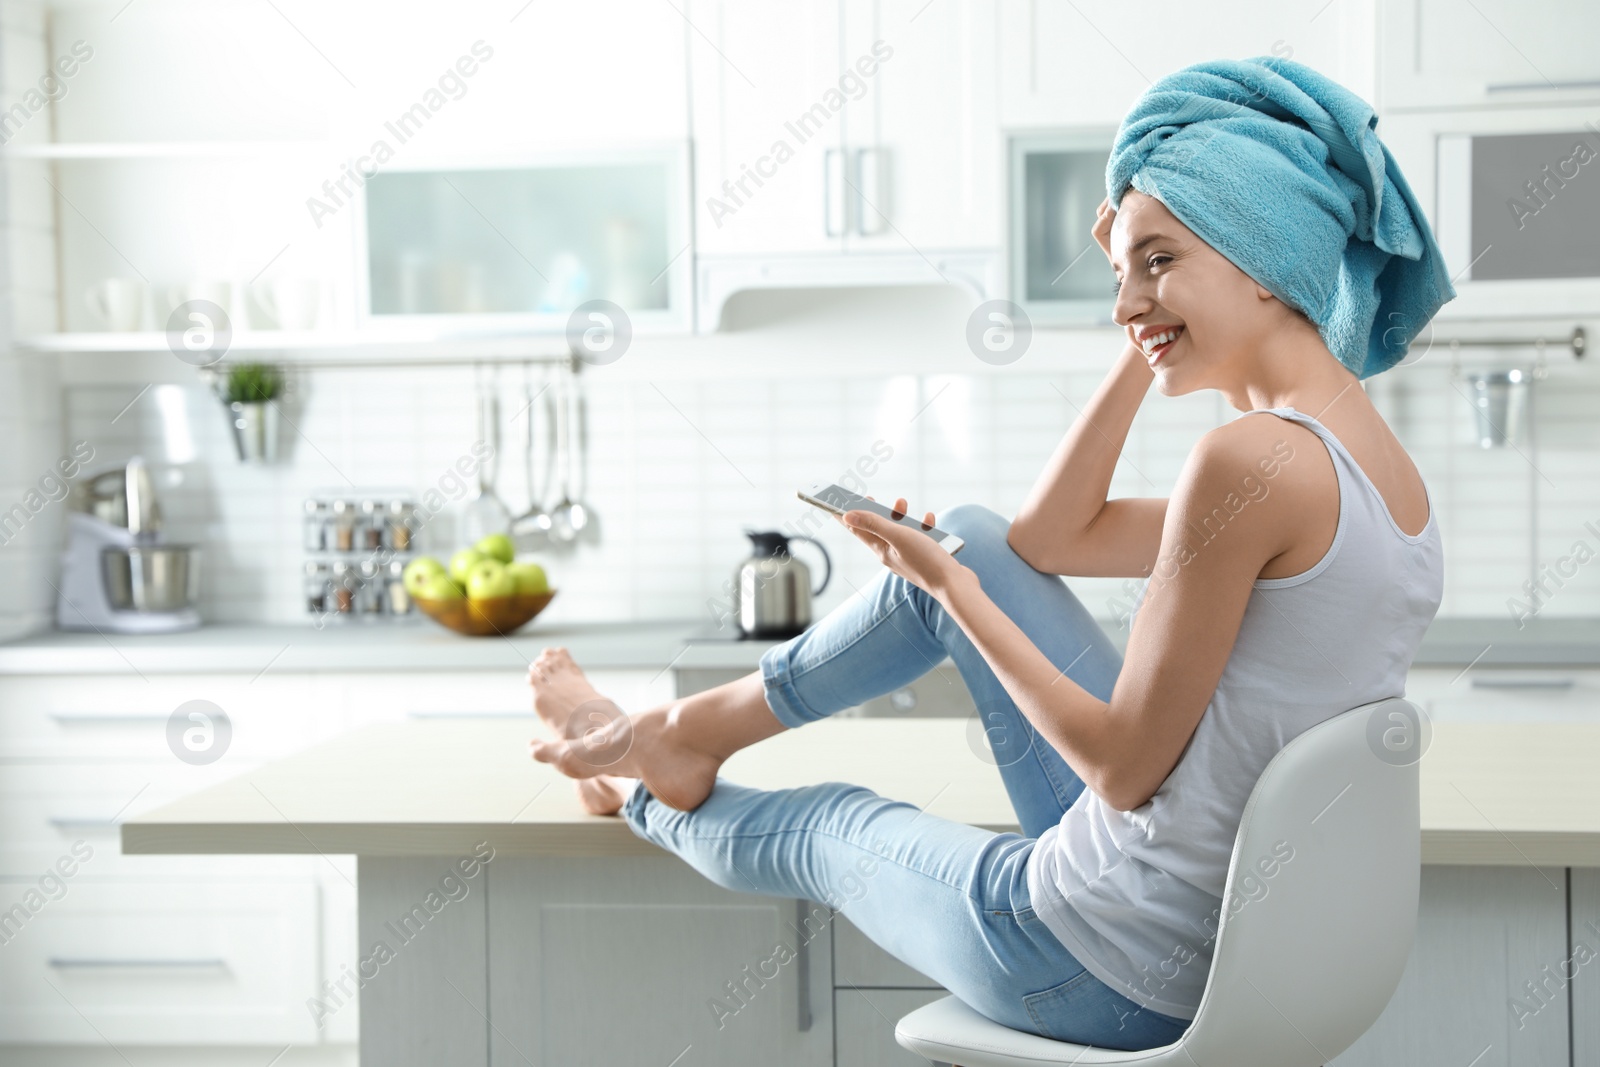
(1544,87)
(81,823)
(835,219)
(1521,683)
(104,718)
(802,967)
(869,190)
(86,962)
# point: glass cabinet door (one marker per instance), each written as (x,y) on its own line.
(533,242)
(1535,213)
(1058,273)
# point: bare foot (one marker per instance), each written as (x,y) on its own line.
(563,697)
(606,750)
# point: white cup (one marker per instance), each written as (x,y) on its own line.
(293,303)
(218,293)
(118,303)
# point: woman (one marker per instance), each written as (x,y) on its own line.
(1266,247)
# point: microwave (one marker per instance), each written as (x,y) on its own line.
(1056,180)
(1516,207)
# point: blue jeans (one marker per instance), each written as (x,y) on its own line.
(948,899)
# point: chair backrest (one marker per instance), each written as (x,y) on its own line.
(1321,902)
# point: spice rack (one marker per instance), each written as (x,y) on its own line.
(356,550)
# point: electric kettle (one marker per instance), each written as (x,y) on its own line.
(772,590)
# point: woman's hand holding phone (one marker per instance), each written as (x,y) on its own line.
(913,556)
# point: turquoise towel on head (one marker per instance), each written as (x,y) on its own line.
(1280,170)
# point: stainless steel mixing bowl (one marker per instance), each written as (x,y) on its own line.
(152,577)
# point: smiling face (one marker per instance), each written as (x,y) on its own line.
(1202,322)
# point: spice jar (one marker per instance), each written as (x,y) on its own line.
(369,590)
(399,598)
(316,517)
(401,513)
(344,594)
(344,526)
(316,588)
(371,526)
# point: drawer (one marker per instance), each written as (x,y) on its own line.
(857,961)
(1521,694)
(46,807)
(124,717)
(160,963)
(864,1022)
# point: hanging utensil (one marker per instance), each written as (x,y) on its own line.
(485,513)
(563,532)
(530,531)
(589,527)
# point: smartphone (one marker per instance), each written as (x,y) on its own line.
(837,500)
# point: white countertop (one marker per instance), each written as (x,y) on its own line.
(1499,794)
(650,645)
(643,645)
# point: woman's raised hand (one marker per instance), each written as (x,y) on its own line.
(1104,215)
(913,556)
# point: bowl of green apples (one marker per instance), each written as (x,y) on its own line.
(480,591)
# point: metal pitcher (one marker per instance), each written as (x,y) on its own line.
(772,589)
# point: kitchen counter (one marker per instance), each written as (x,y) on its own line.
(1483,642)
(419,646)
(1492,794)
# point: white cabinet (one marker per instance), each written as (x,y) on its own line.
(829,127)
(176,71)
(163,963)
(922,142)
(1084,63)
(1582,964)
(865,1020)
(1437,54)
(844,144)
(193,950)
(640,960)
(1485,939)
(766,125)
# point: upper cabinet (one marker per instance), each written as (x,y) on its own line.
(423,76)
(1439,54)
(844,144)
(246,154)
(923,144)
(768,125)
(1084,63)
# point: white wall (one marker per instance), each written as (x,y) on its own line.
(696,438)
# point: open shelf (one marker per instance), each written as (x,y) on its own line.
(312,346)
(166,149)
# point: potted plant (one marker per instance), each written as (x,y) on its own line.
(251,394)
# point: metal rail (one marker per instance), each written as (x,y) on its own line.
(1577,341)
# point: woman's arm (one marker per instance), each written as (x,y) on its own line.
(1066,526)
(1182,637)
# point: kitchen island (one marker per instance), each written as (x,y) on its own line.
(499,923)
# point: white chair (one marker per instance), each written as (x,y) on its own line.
(1297,974)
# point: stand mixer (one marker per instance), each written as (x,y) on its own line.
(117,574)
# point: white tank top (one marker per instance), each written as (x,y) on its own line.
(1136,896)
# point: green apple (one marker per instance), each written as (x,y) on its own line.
(496,546)
(418,571)
(436,587)
(489,579)
(530,579)
(463,562)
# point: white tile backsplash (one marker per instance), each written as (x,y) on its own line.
(679,467)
